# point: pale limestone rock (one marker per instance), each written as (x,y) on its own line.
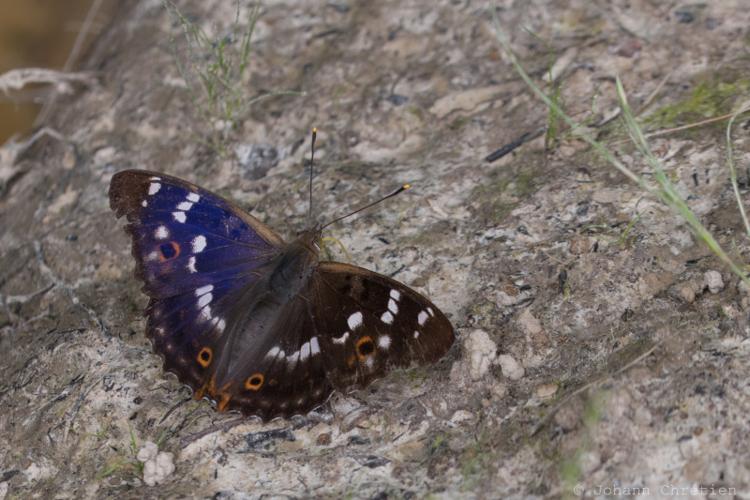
(511,368)
(481,352)
(157,466)
(714,282)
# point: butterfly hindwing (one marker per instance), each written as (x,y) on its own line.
(373,323)
(283,373)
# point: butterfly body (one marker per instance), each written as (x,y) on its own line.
(256,324)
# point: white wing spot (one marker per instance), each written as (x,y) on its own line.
(355,320)
(387,318)
(161,233)
(206,313)
(395,295)
(199,243)
(222,324)
(314,346)
(342,339)
(194,197)
(191,264)
(204,300)
(370,362)
(144,203)
(152,256)
(273,352)
(384,342)
(179,216)
(155,178)
(184,205)
(392,306)
(430,311)
(203,290)
(153,188)
(292,358)
(422,318)
(304,351)
(416,334)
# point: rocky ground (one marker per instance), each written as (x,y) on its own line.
(602,350)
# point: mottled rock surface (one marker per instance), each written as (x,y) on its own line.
(627,340)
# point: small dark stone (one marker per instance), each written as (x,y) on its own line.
(72,237)
(373,461)
(256,440)
(358,440)
(8,474)
(397,99)
(137,400)
(256,159)
(684,16)
(324,439)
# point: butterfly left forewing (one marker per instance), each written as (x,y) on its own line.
(373,323)
(185,237)
(195,253)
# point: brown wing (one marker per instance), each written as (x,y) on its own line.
(368,324)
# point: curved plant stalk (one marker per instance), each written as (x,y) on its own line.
(664,189)
(730,163)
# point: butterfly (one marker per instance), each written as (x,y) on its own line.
(253,323)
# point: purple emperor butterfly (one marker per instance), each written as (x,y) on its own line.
(256,324)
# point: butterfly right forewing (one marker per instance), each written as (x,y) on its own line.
(369,324)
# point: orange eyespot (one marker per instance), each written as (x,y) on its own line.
(254,382)
(168,251)
(204,357)
(365,347)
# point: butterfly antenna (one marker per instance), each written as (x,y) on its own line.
(398,191)
(312,160)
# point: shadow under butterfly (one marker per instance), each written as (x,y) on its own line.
(256,324)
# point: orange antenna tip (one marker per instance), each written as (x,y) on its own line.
(406,186)
(315,130)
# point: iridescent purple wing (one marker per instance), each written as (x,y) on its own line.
(195,252)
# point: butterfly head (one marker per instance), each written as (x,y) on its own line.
(309,239)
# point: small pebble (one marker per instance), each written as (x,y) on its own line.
(511,368)
(481,351)
(545,391)
(713,281)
